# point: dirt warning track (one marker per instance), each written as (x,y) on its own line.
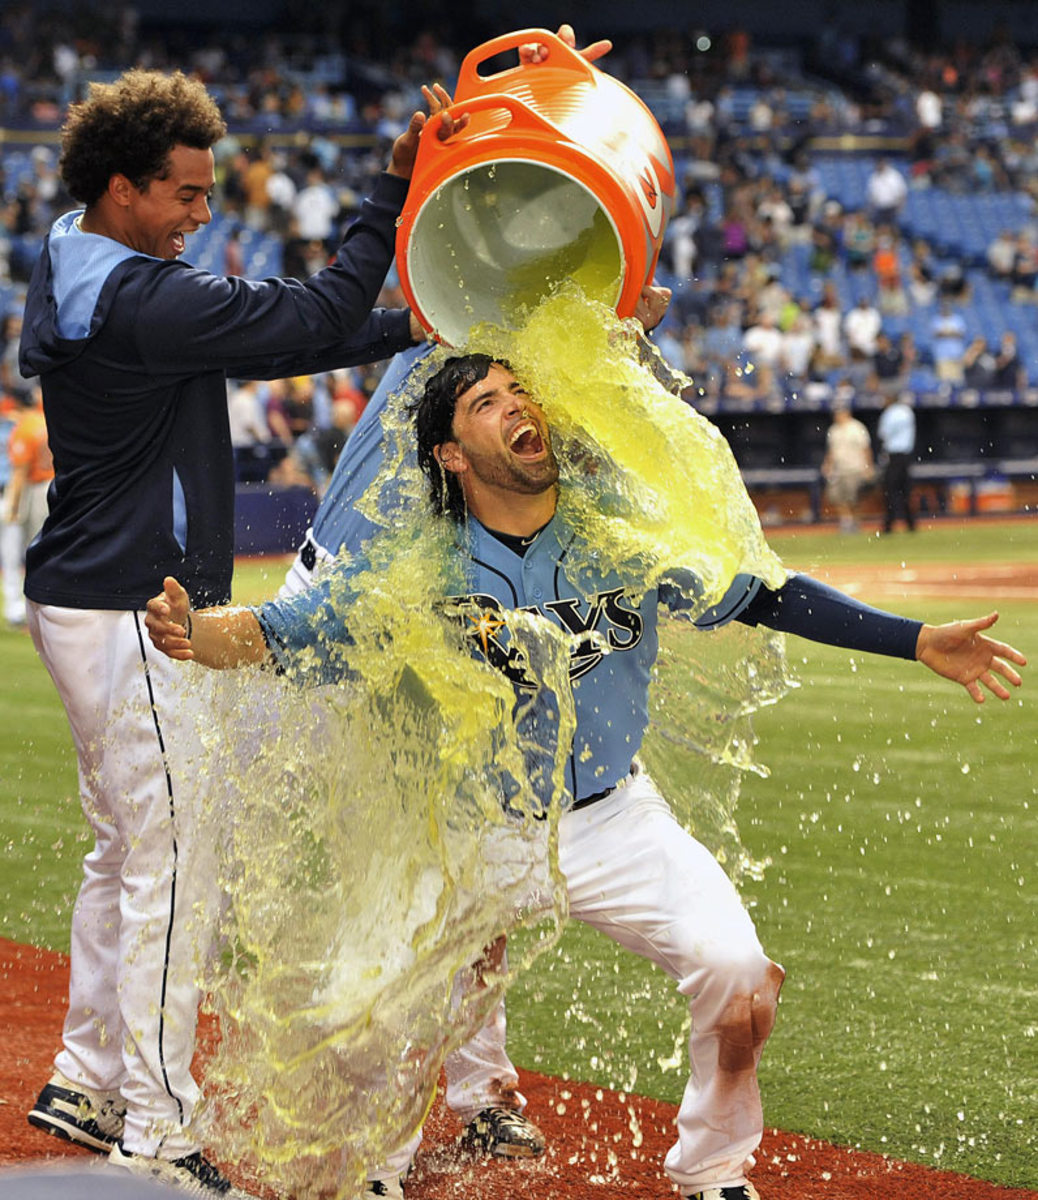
(989,582)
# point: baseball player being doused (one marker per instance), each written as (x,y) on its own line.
(486,450)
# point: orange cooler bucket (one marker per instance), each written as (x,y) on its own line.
(561,173)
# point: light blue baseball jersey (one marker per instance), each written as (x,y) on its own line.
(896,428)
(338,523)
(610,672)
(610,688)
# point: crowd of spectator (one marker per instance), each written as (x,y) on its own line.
(290,431)
(749,194)
(739,330)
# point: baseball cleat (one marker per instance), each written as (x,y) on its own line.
(503,1133)
(193,1174)
(745,1191)
(78,1114)
(393,1188)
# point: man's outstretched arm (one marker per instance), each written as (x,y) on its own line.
(959,650)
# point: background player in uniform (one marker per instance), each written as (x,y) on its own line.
(848,464)
(133,349)
(630,869)
(25,498)
(896,433)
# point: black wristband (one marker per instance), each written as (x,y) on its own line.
(187,625)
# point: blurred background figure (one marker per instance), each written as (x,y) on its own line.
(250,432)
(25,498)
(1010,372)
(848,465)
(948,337)
(896,433)
(886,191)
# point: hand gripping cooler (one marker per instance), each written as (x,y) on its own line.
(562,173)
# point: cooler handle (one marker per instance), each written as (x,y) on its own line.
(523,117)
(559,56)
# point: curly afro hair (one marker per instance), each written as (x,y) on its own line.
(129,128)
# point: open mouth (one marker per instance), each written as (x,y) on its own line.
(526,440)
(176,243)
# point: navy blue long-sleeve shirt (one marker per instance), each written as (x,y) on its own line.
(133,354)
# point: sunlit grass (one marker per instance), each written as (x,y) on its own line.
(943,541)
(900,821)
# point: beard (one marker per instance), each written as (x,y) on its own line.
(513,474)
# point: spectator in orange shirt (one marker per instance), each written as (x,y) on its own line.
(254,184)
(25,500)
(891,297)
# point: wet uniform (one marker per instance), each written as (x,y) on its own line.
(631,870)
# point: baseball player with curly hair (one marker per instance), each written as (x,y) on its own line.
(133,348)
(631,870)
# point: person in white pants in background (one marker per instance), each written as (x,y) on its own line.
(24,508)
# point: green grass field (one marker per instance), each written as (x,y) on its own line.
(900,823)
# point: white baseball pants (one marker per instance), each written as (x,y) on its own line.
(138,927)
(638,876)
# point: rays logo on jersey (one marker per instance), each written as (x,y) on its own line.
(486,623)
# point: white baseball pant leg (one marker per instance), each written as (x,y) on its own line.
(399,1162)
(479,1073)
(138,927)
(634,873)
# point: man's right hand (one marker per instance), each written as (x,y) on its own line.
(405,148)
(166,618)
(228,636)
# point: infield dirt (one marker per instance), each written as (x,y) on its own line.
(601,1145)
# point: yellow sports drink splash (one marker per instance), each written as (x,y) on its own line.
(366,855)
(366,860)
(657,495)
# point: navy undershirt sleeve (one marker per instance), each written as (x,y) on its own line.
(814,610)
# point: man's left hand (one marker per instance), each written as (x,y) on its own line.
(963,653)
(405,148)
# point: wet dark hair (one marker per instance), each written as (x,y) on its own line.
(129,128)
(433,418)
